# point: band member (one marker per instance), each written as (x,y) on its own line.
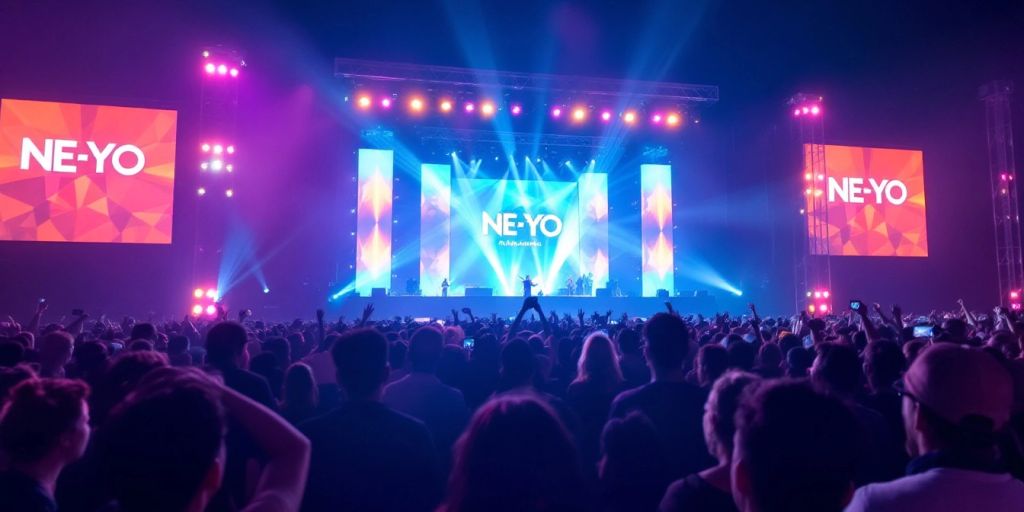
(528,285)
(570,285)
(444,287)
(579,285)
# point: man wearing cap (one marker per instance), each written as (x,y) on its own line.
(956,400)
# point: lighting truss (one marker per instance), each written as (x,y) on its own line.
(362,72)
(1002,168)
(451,135)
(813,263)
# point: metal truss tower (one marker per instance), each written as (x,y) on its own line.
(812,270)
(1003,174)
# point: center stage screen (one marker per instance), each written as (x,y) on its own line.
(85,173)
(502,230)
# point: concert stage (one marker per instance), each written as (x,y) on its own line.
(440,307)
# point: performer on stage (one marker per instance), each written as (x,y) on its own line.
(528,285)
(444,287)
(570,285)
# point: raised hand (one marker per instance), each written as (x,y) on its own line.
(367,311)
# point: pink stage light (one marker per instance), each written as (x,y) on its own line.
(556,112)
(218,149)
(815,110)
(229,193)
(817,295)
(230,150)
(825,294)
(198,293)
(205,147)
(234,72)
(796,112)
(805,110)
(1014,295)
(211,293)
(470,107)
(364,102)
(385,102)
(656,119)
(229,167)
(211,310)
(210,68)
(606,116)
(206,54)
(823,308)
(629,117)
(222,70)
(201,191)
(197,310)
(204,165)
(516,110)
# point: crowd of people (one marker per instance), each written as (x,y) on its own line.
(868,410)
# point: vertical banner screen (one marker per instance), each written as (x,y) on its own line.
(593,190)
(373,220)
(658,267)
(875,199)
(435,226)
(86,173)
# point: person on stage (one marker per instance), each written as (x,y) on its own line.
(570,285)
(444,287)
(528,285)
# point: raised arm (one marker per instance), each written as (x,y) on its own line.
(755,321)
(33,324)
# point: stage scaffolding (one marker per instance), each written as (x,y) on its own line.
(1002,169)
(813,269)
(363,72)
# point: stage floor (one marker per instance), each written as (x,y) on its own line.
(440,307)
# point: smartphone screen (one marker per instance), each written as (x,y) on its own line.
(923,331)
(468,343)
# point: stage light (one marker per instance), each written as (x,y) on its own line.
(556,112)
(266,290)
(796,112)
(211,310)
(817,295)
(206,54)
(821,177)
(516,110)
(222,70)
(234,72)
(385,102)
(807,191)
(487,109)
(416,105)
(656,118)
(201,191)
(218,149)
(364,102)
(629,117)
(197,310)
(810,308)
(815,110)
(446,106)
(807,176)
(217,165)
(198,293)
(1014,294)
(210,68)
(470,107)
(455,154)
(229,193)
(204,165)
(823,308)
(205,147)
(818,192)
(230,150)
(606,116)
(672,119)
(825,294)
(738,293)
(229,167)
(211,293)
(579,114)
(808,294)
(805,110)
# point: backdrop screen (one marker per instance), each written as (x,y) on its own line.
(502,230)
(85,173)
(875,201)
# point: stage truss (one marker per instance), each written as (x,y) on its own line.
(813,269)
(1003,174)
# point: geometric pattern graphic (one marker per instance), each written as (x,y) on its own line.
(593,189)
(876,202)
(86,173)
(658,269)
(435,226)
(373,220)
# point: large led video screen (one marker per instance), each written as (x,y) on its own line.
(505,230)
(875,201)
(86,173)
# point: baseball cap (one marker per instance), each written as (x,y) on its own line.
(956,382)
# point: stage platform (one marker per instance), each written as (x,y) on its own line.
(440,307)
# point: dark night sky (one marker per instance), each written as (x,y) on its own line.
(900,74)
